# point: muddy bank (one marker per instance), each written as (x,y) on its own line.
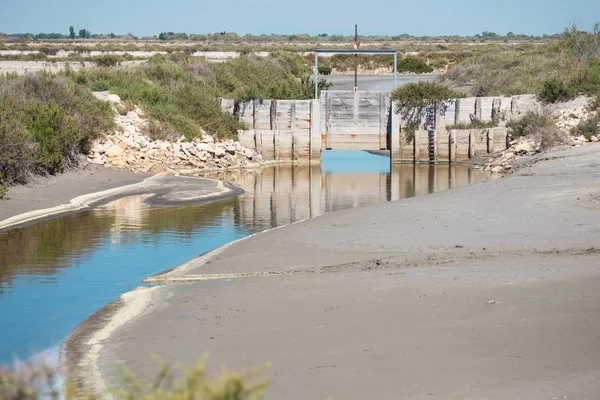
(485,291)
(92,186)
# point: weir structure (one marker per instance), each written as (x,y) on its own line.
(299,130)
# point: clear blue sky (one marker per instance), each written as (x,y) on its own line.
(433,17)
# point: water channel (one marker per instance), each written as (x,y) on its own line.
(55,273)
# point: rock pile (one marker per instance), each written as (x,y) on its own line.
(129,148)
(503,161)
(569,119)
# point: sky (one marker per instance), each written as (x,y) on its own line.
(374,17)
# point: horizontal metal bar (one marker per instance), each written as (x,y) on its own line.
(333,51)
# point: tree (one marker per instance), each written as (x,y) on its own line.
(112,35)
(72,32)
(84,33)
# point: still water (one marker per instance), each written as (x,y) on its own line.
(55,273)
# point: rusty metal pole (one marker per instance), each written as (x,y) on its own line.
(356,46)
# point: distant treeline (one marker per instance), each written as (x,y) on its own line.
(485,36)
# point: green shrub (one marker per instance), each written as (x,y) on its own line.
(107,60)
(539,126)
(474,125)
(46,121)
(325,70)
(30,382)
(413,64)
(413,99)
(555,90)
(587,128)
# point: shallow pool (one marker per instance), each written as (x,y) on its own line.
(55,273)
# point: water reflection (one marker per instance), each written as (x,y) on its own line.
(55,273)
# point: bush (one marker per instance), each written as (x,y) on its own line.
(30,382)
(413,99)
(587,128)
(325,70)
(555,90)
(46,121)
(539,126)
(413,64)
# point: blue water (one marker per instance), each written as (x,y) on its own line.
(54,274)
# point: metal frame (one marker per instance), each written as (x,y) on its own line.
(317,52)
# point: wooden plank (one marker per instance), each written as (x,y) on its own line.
(382,121)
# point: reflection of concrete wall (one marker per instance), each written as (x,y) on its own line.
(285,193)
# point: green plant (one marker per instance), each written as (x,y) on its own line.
(555,90)
(539,126)
(413,99)
(325,70)
(587,128)
(32,382)
(474,125)
(413,64)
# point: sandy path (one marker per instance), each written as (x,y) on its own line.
(486,291)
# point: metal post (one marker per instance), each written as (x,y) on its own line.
(356,47)
(395,70)
(316,75)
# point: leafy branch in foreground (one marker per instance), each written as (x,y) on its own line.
(413,99)
(30,382)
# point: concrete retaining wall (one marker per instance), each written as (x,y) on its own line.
(298,130)
(24,67)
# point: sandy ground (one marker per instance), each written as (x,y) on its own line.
(489,291)
(45,192)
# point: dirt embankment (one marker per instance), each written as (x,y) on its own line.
(486,291)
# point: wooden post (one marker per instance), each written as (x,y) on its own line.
(294,145)
(513,105)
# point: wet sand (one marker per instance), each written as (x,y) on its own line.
(485,291)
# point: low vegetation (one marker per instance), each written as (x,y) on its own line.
(587,128)
(190,383)
(46,121)
(555,71)
(413,100)
(539,126)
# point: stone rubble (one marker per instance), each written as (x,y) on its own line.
(567,120)
(129,148)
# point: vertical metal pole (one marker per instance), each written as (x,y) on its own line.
(316,76)
(395,70)
(356,58)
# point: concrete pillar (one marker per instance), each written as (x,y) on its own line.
(315,131)
(456,111)
(496,104)
(478,109)
(395,136)
(452,146)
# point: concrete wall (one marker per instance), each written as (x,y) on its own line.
(282,130)
(24,67)
(298,130)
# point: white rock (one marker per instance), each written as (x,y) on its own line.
(206,147)
(219,151)
(594,139)
(116,150)
(497,170)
